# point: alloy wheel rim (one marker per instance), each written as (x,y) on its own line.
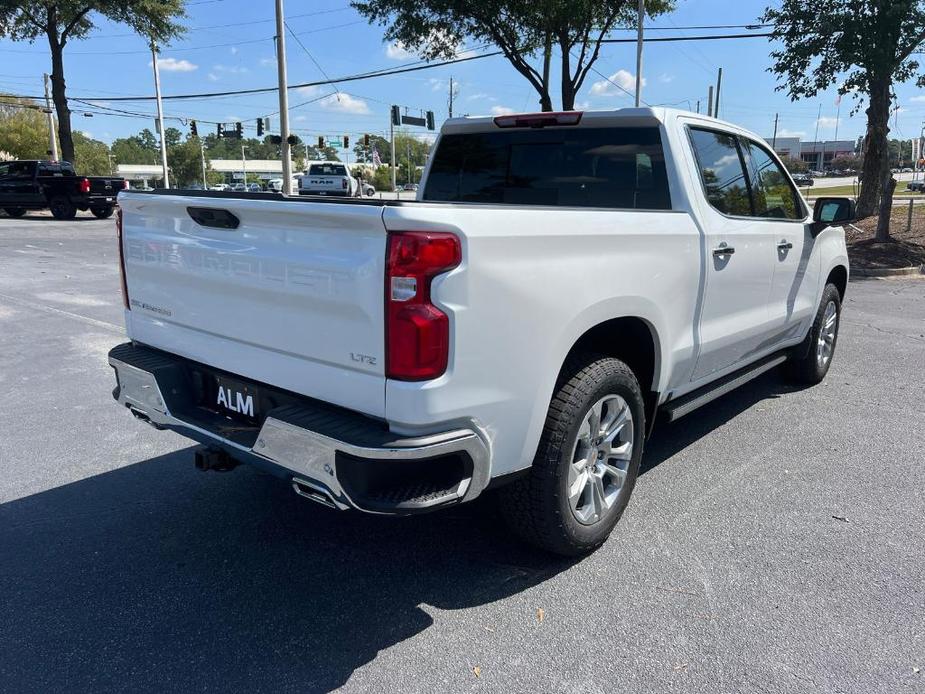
(600,459)
(825,345)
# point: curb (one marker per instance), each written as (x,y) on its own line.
(888,272)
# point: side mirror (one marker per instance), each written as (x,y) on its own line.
(831,212)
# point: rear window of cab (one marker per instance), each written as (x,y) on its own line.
(621,168)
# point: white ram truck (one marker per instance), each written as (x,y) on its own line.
(329,178)
(561,281)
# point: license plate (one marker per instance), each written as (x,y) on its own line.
(234,399)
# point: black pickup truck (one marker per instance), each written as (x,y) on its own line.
(40,185)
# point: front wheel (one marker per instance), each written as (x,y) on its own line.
(587,462)
(14,211)
(813,357)
(62,208)
(102,212)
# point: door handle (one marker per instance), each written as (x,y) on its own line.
(784,246)
(723,249)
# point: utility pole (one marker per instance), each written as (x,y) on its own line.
(160,114)
(719,83)
(202,157)
(283,99)
(774,137)
(52,143)
(451,96)
(244,165)
(392,138)
(698,105)
(641,14)
(710,101)
(816,137)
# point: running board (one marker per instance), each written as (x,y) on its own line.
(675,409)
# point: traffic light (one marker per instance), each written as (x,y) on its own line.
(320,142)
(396,115)
(430,120)
(293,140)
(346,142)
(260,127)
(220,130)
(366,140)
(192,128)
(239,130)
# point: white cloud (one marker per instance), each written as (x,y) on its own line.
(234,50)
(501,111)
(919,98)
(397,51)
(616,84)
(301,118)
(828,122)
(309,90)
(664,78)
(344,103)
(438,85)
(86,133)
(231,69)
(783,132)
(174,65)
(213,77)
(268,62)
(582,105)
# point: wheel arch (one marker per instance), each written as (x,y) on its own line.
(838,276)
(634,341)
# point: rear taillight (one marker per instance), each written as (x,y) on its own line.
(122,259)
(84,185)
(417,333)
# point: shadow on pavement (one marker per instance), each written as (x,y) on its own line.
(155,576)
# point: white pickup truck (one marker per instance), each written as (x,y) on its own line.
(561,281)
(329,178)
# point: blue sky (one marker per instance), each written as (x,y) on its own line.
(230,46)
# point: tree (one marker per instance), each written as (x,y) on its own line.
(794,165)
(524,30)
(23,128)
(184,159)
(846,163)
(866,44)
(60,21)
(91,157)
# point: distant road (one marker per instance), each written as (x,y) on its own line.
(848,180)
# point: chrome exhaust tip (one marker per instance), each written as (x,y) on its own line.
(313,492)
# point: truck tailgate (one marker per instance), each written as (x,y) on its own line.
(292,297)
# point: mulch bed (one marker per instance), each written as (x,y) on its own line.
(905,249)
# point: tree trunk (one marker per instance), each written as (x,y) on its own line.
(876,147)
(59,97)
(545,99)
(568,88)
(886,207)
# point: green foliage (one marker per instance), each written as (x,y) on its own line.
(863,47)
(91,157)
(524,30)
(59,21)
(184,160)
(794,165)
(137,149)
(23,128)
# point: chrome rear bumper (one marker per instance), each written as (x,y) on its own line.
(348,458)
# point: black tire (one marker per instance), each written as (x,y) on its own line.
(807,365)
(14,211)
(62,209)
(537,506)
(102,212)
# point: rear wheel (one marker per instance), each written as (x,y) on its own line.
(814,356)
(62,208)
(587,462)
(14,211)
(102,212)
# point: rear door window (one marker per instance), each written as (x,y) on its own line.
(578,167)
(722,171)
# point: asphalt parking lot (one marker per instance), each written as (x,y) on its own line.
(775,542)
